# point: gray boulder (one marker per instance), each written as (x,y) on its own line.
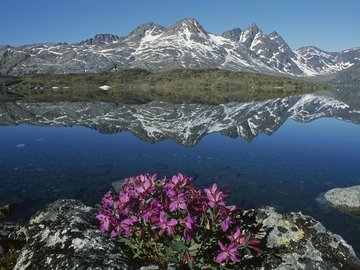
(297,241)
(345,199)
(65,236)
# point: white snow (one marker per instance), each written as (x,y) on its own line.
(257,40)
(149,36)
(104,87)
(219,40)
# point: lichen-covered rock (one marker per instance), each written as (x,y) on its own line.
(65,236)
(346,199)
(301,242)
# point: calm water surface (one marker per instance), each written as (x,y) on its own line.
(287,169)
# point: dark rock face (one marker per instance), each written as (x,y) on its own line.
(101,39)
(65,236)
(233,34)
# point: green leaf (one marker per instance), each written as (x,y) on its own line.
(190,263)
(193,253)
(210,213)
(149,200)
(128,243)
(207,226)
(137,254)
(194,247)
(177,245)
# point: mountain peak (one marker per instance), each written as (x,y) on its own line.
(233,34)
(139,32)
(101,39)
(188,22)
(191,24)
(248,35)
(189,29)
(254,27)
(274,34)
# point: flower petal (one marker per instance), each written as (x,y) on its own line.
(222,256)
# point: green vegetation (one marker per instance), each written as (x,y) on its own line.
(140,86)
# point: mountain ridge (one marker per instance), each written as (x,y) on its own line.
(183,45)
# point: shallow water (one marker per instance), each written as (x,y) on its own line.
(43,159)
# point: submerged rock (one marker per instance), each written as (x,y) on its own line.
(65,236)
(345,199)
(6,210)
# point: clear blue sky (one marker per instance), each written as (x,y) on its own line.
(331,25)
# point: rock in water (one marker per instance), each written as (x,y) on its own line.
(346,199)
(6,210)
(65,236)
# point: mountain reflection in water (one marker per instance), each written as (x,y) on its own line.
(186,124)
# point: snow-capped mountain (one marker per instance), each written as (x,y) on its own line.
(184,45)
(186,124)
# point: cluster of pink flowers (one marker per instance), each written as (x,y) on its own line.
(159,211)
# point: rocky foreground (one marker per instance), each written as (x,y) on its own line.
(65,236)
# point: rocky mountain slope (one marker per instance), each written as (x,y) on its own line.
(184,45)
(349,77)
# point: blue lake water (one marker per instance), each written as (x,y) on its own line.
(287,169)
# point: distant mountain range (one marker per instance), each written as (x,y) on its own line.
(185,124)
(184,45)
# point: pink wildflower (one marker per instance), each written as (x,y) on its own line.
(227,252)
